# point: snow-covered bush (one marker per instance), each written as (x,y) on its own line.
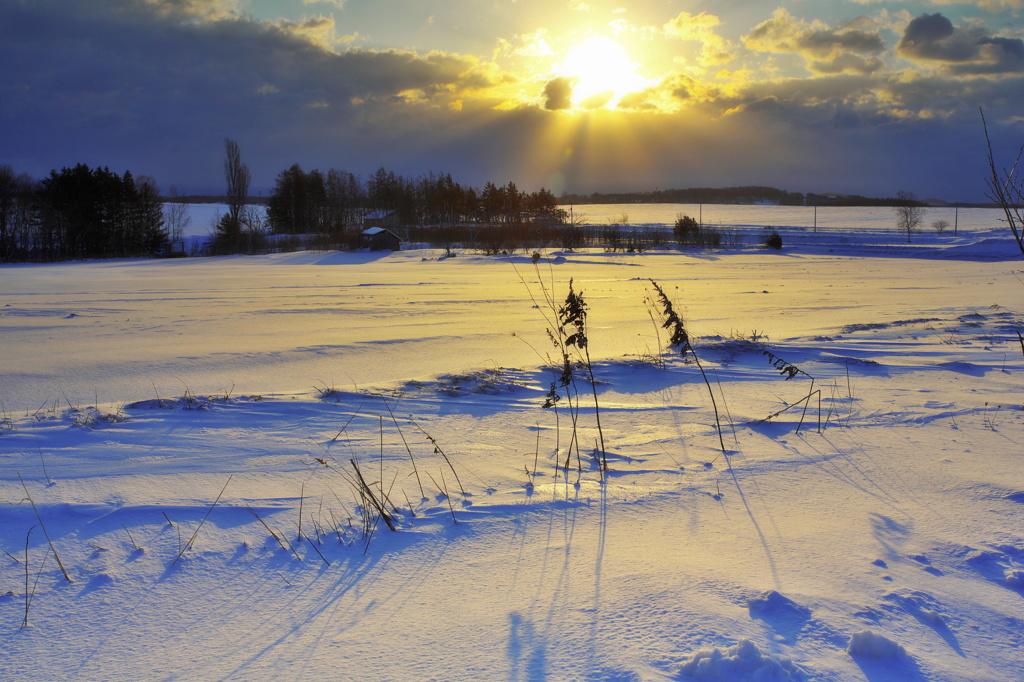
(744,661)
(772,240)
(1014,577)
(869,644)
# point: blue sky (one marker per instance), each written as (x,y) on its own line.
(866,97)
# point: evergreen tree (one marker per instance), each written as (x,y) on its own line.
(95,213)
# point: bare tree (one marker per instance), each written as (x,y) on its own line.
(1006,188)
(237,176)
(176,217)
(909,212)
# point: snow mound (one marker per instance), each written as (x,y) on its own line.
(1014,577)
(771,603)
(745,661)
(868,644)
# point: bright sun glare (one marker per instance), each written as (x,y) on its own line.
(602,72)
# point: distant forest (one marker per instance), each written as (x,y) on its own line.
(730,195)
(82,212)
(693,195)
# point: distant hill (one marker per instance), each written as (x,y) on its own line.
(743,195)
(699,195)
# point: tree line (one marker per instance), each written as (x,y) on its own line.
(83,212)
(78,212)
(328,210)
(314,202)
(732,195)
(693,195)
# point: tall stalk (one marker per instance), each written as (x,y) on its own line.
(681,340)
(43,527)
(574,315)
(565,378)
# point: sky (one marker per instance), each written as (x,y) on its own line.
(850,96)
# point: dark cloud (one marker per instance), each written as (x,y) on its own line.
(156,86)
(112,82)
(849,48)
(847,63)
(967,51)
(926,30)
(558,94)
(204,9)
(822,42)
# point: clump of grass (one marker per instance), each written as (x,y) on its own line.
(49,481)
(177,529)
(327,392)
(680,340)
(333,468)
(573,317)
(790,371)
(138,549)
(654,358)
(439,451)
(987,416)
(182,550)
(30,593)
(92,417)
(786,369)
(373,507)
(43,527)
(160,402)
(566,381)
(443,487)
(407,448)
(302,499)
(562,369)
(302,536)
(6,422)
(281,540)
(193,402)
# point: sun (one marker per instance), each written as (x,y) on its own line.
(601,71)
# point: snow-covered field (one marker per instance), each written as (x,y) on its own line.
(203,217)
(190,436)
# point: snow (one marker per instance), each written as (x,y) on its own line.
(845,219)
(745,661)
(872,645)
(175,421)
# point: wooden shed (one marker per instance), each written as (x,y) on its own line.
(379,239)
